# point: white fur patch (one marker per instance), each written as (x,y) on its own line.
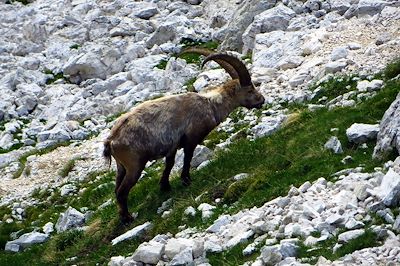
(214,96)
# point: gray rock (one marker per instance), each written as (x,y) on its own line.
(26,240)
(270,255)
(70,219)
(352,224)
(163,34)
(67,189)
(184,257)
(336,66)
(288,250)
(134,232)
(339,53)
(145,11)
(335,219)
(389,190)
(149,252)
(273,19)
(176,245)
(240,21)
(349,235)
(267,126)
(220,222)
(360,133)
(373,85)
(389,137)
(334,145)
(201,154)
(371,7)
(190,211)
(396,225)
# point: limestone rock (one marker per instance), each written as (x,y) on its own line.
(134,232)
(360,133)
(26,240)
(70,219)
(334,145)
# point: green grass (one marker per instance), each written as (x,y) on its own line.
(392,69)
(325,249)
(55,76)
(68,167)
(74,46)
(334,87)
(291,156)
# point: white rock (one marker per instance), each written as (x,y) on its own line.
(339,53)
(389,190)
(373,85)
(190,211)
(334,145)
(336,66)
(134,232)
(48,228)
(360,133)
(267,126)
(220,222)
(349,235)
(26,240)
(270,255)
(177,245)
(67,189)
(70,219)
(241,176)
(206,210)
(240,238)
(149,252)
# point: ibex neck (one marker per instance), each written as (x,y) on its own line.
(223,103)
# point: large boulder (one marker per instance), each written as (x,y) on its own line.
(360,133)
(70,219)
(26,240)
(242,18)
(273,19)
(389,135)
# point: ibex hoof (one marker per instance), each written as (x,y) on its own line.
(126,219)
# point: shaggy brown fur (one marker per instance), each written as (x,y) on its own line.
(157,128)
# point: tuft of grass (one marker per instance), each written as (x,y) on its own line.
(188,42)
(163,64)
(55,77)
(68,167)
(334,87)
(113,117)
(325,249)
(392,70)
(74,46)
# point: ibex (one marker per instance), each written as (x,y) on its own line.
(157,128)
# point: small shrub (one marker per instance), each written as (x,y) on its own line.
(392,69)
(74,46)
(163,64)
(67,239)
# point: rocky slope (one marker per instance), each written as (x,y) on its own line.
(69,67)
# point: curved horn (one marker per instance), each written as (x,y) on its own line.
(234,62)
(206,52)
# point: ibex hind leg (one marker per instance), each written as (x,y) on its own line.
(169,163)
(121,172)
(132,175)
(185,175)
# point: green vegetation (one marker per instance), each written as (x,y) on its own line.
(55,77)
(74,46)
(68,167)
(325,249)
(188,42)
(24,2)
(163,64)
(291,156)
(189,84)
(334,87)
(392,69)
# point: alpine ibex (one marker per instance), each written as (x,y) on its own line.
(157,128)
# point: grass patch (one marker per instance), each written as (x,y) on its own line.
(163,64)
(392,70)
(333,87)
(189,84)
(325,249)
(74,46)
(55,76)
(68,167)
